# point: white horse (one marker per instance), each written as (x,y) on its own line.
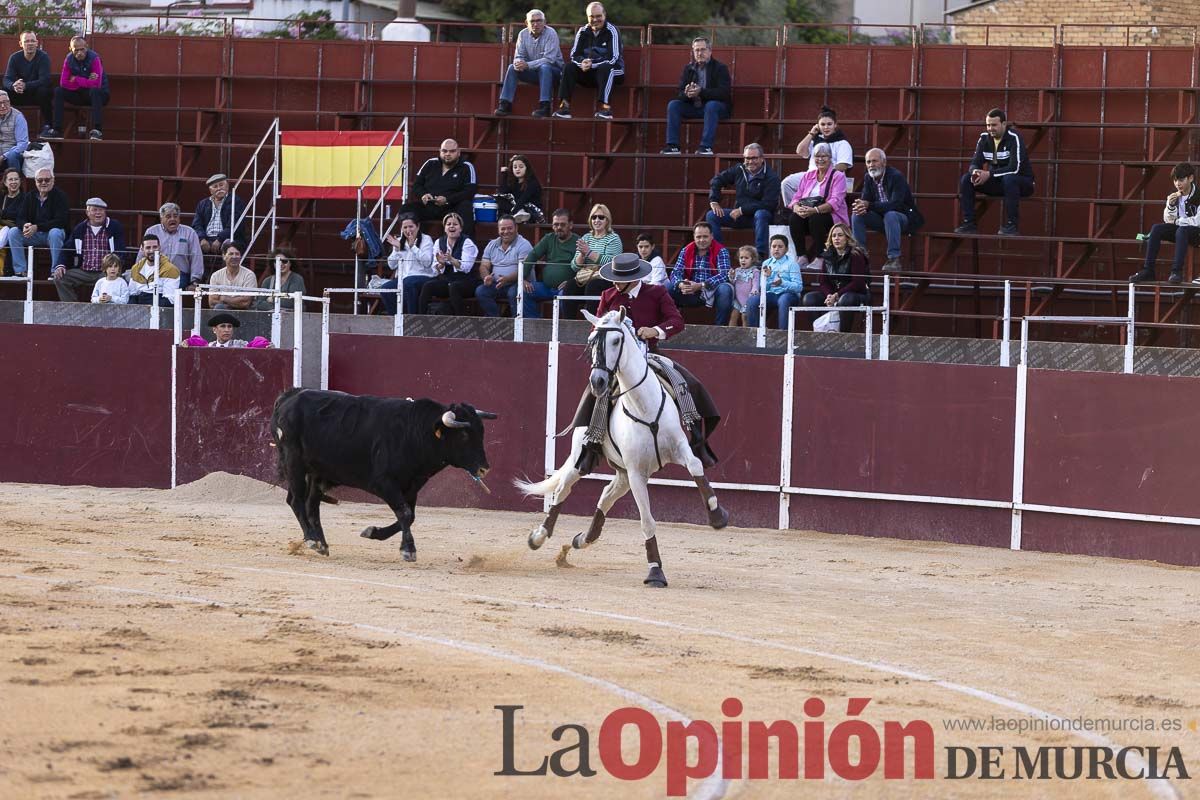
(644,434)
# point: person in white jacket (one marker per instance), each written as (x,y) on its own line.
(1181,225)
(112,288)
(411,261)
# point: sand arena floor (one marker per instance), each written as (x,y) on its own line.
(170,643)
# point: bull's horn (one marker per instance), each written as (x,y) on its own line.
(450,421)
(485,414)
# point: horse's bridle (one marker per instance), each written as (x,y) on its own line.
(612,380)
(597,346)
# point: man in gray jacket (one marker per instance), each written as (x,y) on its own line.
(538,59)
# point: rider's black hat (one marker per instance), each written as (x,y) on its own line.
(626,267)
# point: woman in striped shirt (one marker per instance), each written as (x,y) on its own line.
(595,248)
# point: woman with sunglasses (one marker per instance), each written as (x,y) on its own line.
(289,279)
(520,193)
(597,247)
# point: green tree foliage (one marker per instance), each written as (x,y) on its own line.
(46,17)
(306,25)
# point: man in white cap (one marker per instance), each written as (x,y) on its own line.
(89,243)
(215,216)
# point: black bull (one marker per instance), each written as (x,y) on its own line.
(384,446)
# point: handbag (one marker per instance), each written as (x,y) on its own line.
(829,322)
(585,274)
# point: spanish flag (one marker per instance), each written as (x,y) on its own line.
(332,164)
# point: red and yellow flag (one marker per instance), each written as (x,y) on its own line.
(332,164)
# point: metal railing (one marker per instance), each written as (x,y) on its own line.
(271,173)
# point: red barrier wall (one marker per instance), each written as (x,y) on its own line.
(80,406)
(225,399)
(91,407)
(503,377)
(1111,442)
(903,428)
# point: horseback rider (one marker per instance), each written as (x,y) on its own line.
(654,316)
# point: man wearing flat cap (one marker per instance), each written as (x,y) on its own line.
(215,215)
(654,316)
(88,244)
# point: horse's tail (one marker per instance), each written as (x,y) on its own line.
(546,487)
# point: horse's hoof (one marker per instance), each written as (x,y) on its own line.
(561,558)
(538,537)
(579,540)
(656,579)
(320,548)
(718,518)
(368,532)
(409,555)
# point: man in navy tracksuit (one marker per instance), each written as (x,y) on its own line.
(1000,168)
(596,61)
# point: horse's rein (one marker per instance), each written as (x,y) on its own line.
(612,373)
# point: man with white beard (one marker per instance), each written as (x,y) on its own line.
(887,205)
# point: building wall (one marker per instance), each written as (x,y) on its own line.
(1163,22)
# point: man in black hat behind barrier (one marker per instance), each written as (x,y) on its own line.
(223,326)
(655,316)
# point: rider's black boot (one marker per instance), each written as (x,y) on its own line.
(589,457)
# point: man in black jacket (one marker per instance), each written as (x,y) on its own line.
(43,222)
(28,79)
(1000,168)
(444,184)
(886,204)
(755,202)
(704,92)
(596,60)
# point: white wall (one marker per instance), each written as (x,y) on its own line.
(899,12)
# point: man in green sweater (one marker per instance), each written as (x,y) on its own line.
(556,256)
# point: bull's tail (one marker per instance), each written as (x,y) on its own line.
(548,486)
(277,434)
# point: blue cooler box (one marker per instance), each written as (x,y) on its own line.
(485,208)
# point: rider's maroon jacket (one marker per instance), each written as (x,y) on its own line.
(653,307)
